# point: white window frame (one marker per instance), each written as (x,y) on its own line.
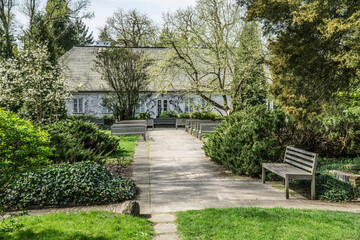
(78,105)
(189,105)
(140,108)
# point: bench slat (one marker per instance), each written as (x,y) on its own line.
(288,157)
(283,169)
(307,157)
(301,151)
(299,165)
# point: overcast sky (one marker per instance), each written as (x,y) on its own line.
(153,8)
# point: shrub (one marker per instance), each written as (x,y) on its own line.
(340,133)
(248,138)
(205,116)
(332,189)
(22,146)
(168,114)
(143,115)
(78,140)
(109,119)
(184,115)
(79,183)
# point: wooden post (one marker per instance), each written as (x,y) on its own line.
(313,187)
(263,175)
(287,186)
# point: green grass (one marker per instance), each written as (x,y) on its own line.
(99,225)
(205,135)
(128,143)
(261,223)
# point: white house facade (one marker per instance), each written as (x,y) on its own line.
(90,89)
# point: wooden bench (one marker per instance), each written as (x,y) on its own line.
(165,121)
(128,129)
(207,128)
(188,124)
(148,122)
(180,122)
(196,126)
(298,164)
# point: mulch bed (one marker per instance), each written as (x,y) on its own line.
(122,171)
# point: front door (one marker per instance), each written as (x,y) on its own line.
(162,106)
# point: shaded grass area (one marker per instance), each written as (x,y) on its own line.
(261,223)
(99,225)
(128,143)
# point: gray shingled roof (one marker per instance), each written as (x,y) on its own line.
(79,68)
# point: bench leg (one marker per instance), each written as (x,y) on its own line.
(313,188)
(263,175)
(287,187)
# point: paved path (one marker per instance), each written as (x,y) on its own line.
(175,175)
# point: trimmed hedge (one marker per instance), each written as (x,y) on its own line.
(248,138)
(77,140)
(79,183)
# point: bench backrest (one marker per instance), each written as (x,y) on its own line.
(131,121)
(301,159)
(181,121)
(197,124)
(165,121)
(208,127)
(127,129)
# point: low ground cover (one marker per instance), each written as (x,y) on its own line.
(78,183)
(261,223)
(80,225)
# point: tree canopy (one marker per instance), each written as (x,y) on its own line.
(125,71)
(130,29)
(315,50)
(209,44)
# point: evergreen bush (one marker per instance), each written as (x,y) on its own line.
(79,183)
(248,138)
(143,115)
(77,140)
(184,115)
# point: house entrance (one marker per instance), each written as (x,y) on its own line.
(162,105)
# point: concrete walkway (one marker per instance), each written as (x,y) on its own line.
(174,174)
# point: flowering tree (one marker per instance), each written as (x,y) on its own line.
(32,86)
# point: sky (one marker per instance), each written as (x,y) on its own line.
(153,8)
(103,9)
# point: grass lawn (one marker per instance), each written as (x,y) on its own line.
(99,225)
(262,223)
(128,143)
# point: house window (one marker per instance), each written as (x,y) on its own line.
(189,105)
(78,105)
(140,108)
